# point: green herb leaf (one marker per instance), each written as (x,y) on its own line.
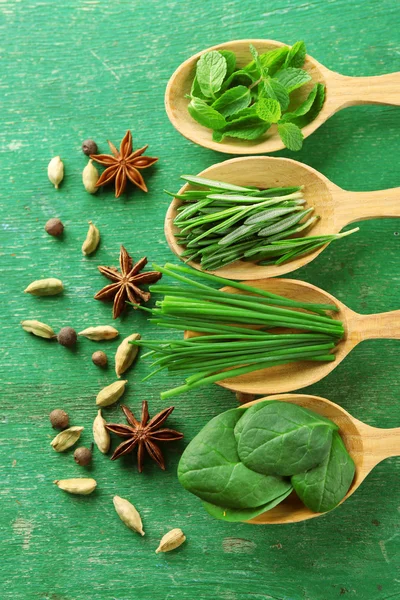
(296,55)
(230,58)
(239,77)
(261,71)
(291,136)
(232,101)
(196,91)
(308,116)
(205,115)
(210,468)
(269,110)
(270,88)
(302,109)
(284,439)
(239,515)
(246,128)
(292,78)
(272,60)
(323,487)
(217,136)
(210,71)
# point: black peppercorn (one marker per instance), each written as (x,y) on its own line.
(83,456)
(67,337)
(59,418)
(89,147)
(99,358)
(54,227)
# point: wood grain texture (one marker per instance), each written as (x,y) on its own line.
(90,68)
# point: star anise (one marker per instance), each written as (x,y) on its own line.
(126,282)
(144,434)
(123,165)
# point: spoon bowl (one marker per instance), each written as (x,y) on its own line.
(341,91)
(294,376)
(336,207)
(366,445)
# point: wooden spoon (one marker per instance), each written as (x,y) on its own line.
(367,446)
(335,206)
(341,91)
(294,376)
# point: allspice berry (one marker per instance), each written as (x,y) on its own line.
(99,358)
(54,227)
(59,419)
(83,456)
(67,337)
(89,147)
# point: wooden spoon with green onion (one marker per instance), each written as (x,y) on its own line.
(294,376)
(367,446)
(341,91)
(335,206)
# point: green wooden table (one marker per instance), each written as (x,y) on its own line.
(73,70)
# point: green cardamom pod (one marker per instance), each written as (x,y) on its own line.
(37,328)
(92,240)
(110,394)
(45,287)
(67,438)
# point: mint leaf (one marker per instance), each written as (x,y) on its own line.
(291,78)
(239,77)
(273,89)
(296,55)
(205,115)
(232,101)
(290,135)
(272,60)
(303,108)
(210,71)
(309,109)
(260,70)
(230,58)
(269,110)
(246,128)
(196,91)
(217,136)
(250,111)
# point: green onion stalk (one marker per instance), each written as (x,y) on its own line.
(233,334)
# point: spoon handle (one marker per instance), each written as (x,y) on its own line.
(380,326)
(379,444)
(379,89)
(359,206)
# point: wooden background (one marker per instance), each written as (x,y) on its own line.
(90,68)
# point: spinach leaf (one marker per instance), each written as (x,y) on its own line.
(205,115)
(230,58)
(290,135)
(248,127)
(232,101)
(284,439)
(211,469)
(323,487)
(296,55)
(269,110)
(291,78)
(210,71)
(235,515)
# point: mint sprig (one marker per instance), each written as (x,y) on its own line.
(244,102)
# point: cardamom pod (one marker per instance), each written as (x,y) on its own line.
(128,514)
(126,354)
(90,177)
(77,485)
(171,540)
(67,438)
(55,171)
(45,287)
(110,394)
(102,332)
(37,328)
(92,239)
(100,433)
